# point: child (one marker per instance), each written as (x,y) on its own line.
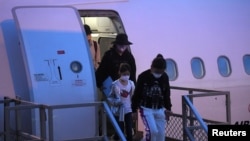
(120,100)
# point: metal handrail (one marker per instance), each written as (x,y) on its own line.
(196,113)
(50,109)
(112,119)
(217,93)
(192,92)
(104,104)
(191,89)
(187,100)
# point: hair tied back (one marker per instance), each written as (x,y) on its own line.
(159,56)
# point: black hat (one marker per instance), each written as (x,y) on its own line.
(87,29)
(122,39)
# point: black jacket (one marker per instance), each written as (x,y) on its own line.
(151,92)
(110,63)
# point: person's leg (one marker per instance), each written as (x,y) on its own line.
(147,116)
(121,125)
(161,124)
(128,125)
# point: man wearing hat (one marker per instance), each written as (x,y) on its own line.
(112,59)
(94,47)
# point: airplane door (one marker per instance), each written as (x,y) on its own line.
(105,25)
(59,67)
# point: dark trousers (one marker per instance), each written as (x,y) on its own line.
(127,123)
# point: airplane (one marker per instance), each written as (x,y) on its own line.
(205,43)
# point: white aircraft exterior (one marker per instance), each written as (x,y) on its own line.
(180,31)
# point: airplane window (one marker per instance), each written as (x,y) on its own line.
(171,69)
(246,63)
(197,67)
(224,66)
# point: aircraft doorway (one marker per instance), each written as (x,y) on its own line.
(104,24)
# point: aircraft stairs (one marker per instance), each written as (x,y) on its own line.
(188,126)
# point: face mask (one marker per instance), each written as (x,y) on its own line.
(156,75)
(125,77)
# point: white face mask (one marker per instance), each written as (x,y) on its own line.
(157,75)
(125,77)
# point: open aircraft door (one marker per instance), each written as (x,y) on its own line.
(59,67)
(105,25)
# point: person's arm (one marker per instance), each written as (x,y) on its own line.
(167,99)
(101,72)
(132,87)
(137,96)
(98,56)
(133,69)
